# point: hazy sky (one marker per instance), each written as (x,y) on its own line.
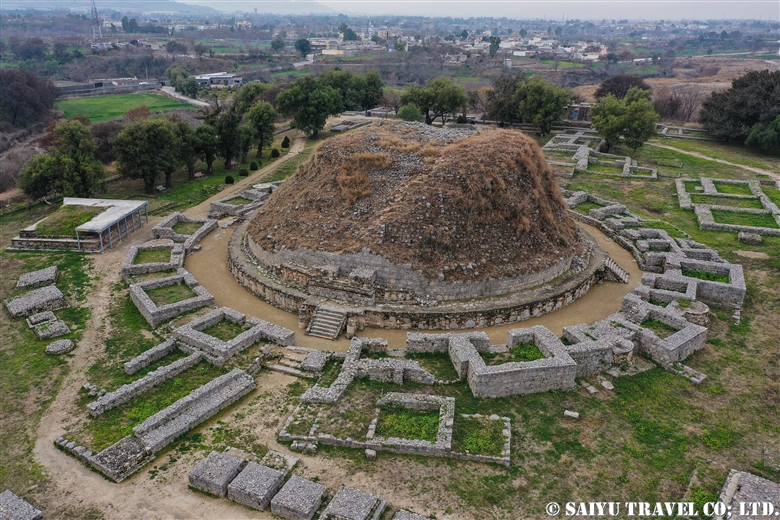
(551,9)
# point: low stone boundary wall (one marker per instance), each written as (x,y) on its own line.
(150,356)
(176,261)
(165,230)
(155,314)
(222,208)
(126,392)
(160,429)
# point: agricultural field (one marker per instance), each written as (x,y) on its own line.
(105,108)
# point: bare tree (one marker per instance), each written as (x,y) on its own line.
(690,103)
(392,99)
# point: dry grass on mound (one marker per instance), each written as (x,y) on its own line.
(439,199)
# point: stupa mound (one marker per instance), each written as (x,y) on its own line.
(455,204)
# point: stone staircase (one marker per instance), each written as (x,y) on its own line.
(620,274)
(327,323)
(291,365)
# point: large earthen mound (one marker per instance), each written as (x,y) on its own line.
(448,201)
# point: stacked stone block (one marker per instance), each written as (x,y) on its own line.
(255,486)
(299,499)
(14,508)
(150,356)
(40,278)
(223,208)
(215,473)
(48,298)
(154,314)
(353,504)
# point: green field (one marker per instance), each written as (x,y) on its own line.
(105,108)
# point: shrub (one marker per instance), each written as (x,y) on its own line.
(243,172)
(462,120)
(229,179)
(410,112)
(274,153)
(253,166)
(286,142)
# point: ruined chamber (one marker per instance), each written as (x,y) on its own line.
(408,226)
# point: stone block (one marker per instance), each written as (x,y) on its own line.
(255,486)
(51,329)
(38,278)
(41,317)
(14,508)
(353,504)
(61,346)
(299,499)
(47,298)
(752,239)
(215,473)
(403,514)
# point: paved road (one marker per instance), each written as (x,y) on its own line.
(197,102)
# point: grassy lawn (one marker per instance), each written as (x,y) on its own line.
(66,219)
(105,108)
(731,152)
(397,421)
(723,201)
(293,73)
(239,201)
(517,354)
(291,166)
(478,436)
(224,330)
(170,294)
(744,219)
(584,207)
(733,189)
(773,194)
(609,168)
(661,329)
(437,363)
(186,228)
(329,374)
(151,256)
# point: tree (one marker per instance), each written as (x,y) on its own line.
(349,34)
(200,49)
(495,42)
(247,96)
(619,86)
(147,150)
(501,99)
(303,46)
(278,44)
(105,135)
(206,145)
(173,47)
(228,137)
(640,118)
(410,112)
(261,118)
(187,152)
(523,32)
(766,138)
(177,75)
(464,34)
(439,98)
(138,113)
(392,99)
(752,99)
(190,87)
(70,169)
(632,118)
(608,119)
(32,49)
(310,104)
(24,98)
(244,141)
(541,103)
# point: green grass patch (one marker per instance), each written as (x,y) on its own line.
(329,374)
(733,189)
(397,421)
(773,194)
(437,363)
(744,219)
(170,294)
(713,200)
(186,228)
(605,167)
(65,220)
(690,186)
(105,108)
(661,329)
(705,275)
(224,330)
(290,166)
(239,201)
(152,256)
(584,207)
(293,73)
(478,436)
(118,422)
(518,354)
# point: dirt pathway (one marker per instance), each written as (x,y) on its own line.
(774,175)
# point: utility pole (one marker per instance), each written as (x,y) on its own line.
(97,30)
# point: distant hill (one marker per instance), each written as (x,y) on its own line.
(116,5)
